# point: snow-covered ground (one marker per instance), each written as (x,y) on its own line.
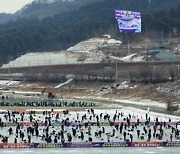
(41,59)
(142,102)
(86,52)
(135,101)
(170,88)
(154,150)
(8,83)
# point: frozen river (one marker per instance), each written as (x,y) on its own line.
(153,150)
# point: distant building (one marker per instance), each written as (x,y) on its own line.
(159,43)
(162,54)
(156,50)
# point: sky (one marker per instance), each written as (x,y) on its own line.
(11,6)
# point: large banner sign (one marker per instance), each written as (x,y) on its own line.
(146,144)
(14,145)
(128,21)
(90,145)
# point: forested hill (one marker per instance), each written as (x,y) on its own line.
(66,29)
(46,8)
(4,17)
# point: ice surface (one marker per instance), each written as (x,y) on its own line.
(135,113)
(158,150)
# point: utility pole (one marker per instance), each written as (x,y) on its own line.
(129,51)
(38,58)
(9,70)
(66,57)
(178,74)
(116,70)
(18,59)
(145,54)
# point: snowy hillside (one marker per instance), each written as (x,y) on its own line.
(88,51)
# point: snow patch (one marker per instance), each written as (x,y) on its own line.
(113,41)
(132,58)
(9,83)
(62,84)
(170,88)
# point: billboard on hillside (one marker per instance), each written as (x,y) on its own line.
(128,21)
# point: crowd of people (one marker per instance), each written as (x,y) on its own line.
(85,126)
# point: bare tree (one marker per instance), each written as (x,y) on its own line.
(132,76)
(172,73)
(159,75)
(146,75)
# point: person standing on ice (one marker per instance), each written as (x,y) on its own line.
(108,137)
(30,118)
(89,130)
(138,121)
(125,126)
(15,140)
(113,134)
(157,120)
(149,137)
(22,136)
(74,131)
(22,116)
(77,116)
(145,130)
(114,118)
(92,110)
(138,133)
(57,116)
(124,134)
(49,139)
(29,139)
(103,130)
(128,122)
(131,137)
(10,131)
(9,115)
(146,116)
(171,137)
(154,129)
(6,117)
(172,129)
(176,125)
(121,127)
(62,139)
(37,132)
(177,133)
(55,139)
(82,135)
(101,115)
